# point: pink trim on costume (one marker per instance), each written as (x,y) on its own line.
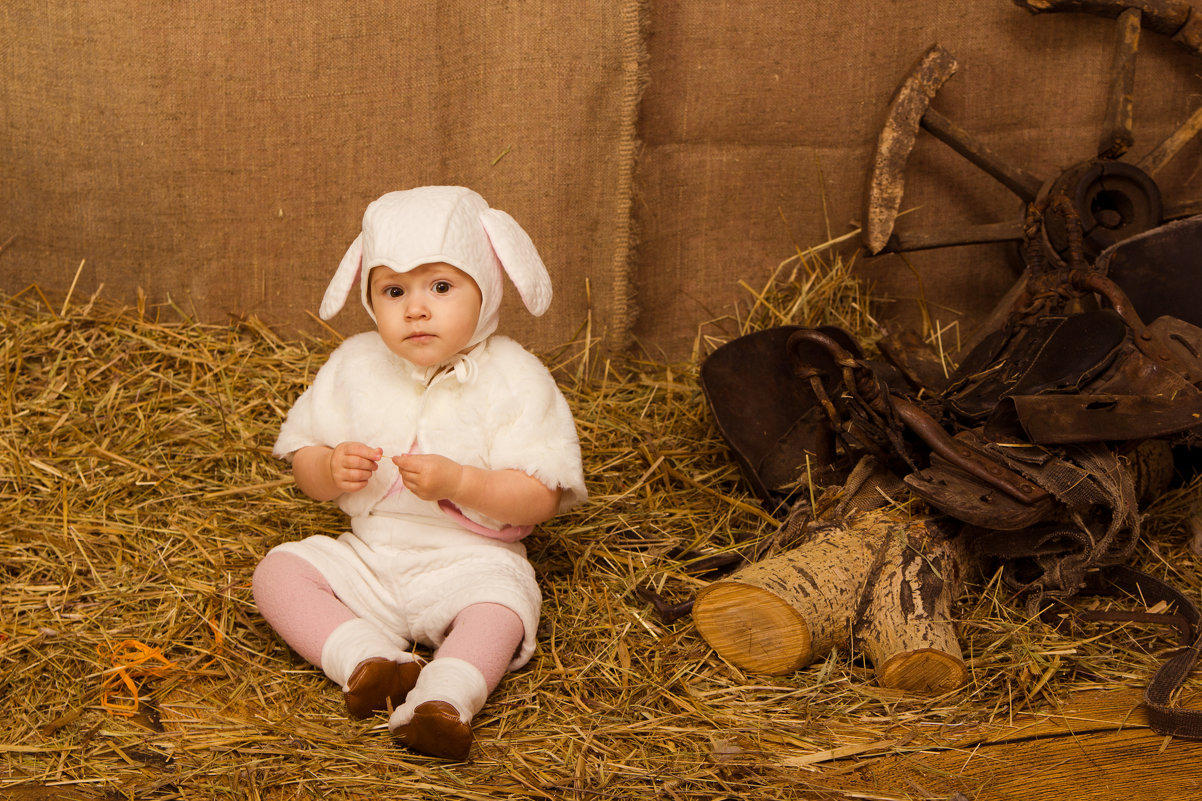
(399,484)
(506,534)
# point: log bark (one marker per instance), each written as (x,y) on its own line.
(878,582)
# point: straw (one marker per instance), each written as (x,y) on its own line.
(137,493)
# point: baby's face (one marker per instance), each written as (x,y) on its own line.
(425,315)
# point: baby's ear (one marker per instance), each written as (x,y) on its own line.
(344,280)
(519,258)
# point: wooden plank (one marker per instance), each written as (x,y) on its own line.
(1101,766)
(1095,710)
(1097,745)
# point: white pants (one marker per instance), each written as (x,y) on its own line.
(386,571)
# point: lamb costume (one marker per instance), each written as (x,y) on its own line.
(407,567)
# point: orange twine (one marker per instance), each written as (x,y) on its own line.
(131,660)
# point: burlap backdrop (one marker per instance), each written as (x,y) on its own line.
(221,154)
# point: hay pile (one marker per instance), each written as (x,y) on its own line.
(137,493)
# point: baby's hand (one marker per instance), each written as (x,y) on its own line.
(429,476)
(351,465)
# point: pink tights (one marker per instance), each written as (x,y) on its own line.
(298,602)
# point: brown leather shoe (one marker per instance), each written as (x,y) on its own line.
(436,730)
(379,684)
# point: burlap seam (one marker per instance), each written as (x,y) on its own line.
(624,308)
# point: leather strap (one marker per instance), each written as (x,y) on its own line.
(1163,718)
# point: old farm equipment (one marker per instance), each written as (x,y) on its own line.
(1033,456)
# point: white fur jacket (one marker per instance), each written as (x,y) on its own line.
(507,413)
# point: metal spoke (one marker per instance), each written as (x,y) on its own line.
(905,241)
(1182,208)
(1164,152)
(1116,133)
(1017,180)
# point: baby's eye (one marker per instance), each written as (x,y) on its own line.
(394,291)
(442,287)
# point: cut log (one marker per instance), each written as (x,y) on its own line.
(877,582)
(907,630)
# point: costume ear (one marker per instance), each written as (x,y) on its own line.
(519,258)
(343,281)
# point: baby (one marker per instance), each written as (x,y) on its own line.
(445,444)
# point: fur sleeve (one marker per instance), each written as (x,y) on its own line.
(323,414)
(537,433)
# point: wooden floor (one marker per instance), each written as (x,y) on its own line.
(1098,747)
